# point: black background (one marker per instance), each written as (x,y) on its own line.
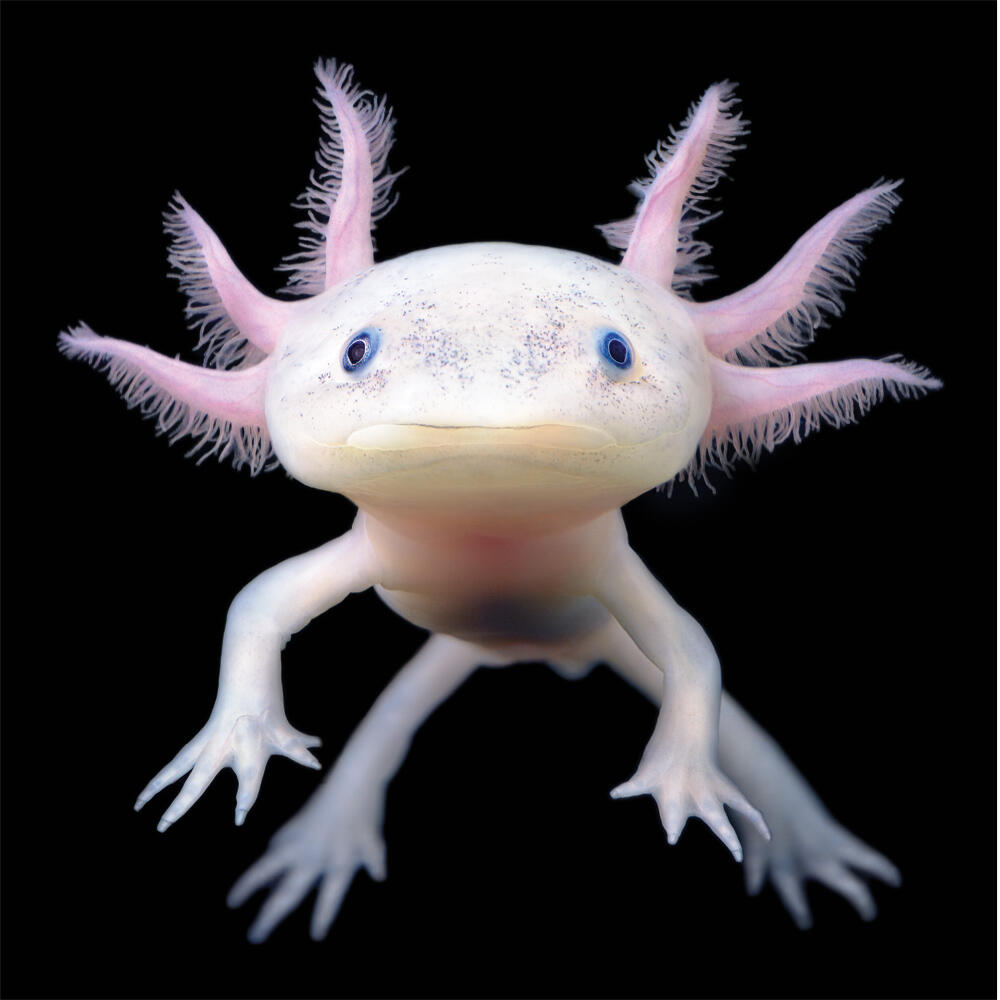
(846,582)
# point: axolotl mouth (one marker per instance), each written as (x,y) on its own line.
(406,437)
(534,472)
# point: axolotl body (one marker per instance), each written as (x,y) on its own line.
(489,408)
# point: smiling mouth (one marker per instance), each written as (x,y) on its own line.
(405,437)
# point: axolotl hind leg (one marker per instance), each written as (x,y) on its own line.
(806,841)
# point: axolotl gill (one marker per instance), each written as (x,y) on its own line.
(489,408)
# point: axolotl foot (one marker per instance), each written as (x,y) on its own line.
(808,843)
(686,789)
(238,740)
(336,833)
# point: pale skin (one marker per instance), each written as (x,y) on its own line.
(489,408)
(339,831)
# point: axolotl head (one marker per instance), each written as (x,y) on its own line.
(512,383)
(493,378)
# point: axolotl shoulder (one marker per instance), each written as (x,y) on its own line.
(489,407)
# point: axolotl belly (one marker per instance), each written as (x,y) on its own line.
(489,408)
(501,593)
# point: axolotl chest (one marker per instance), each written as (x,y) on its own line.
(494,589)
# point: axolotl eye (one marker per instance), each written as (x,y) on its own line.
(615,348)
(359,350)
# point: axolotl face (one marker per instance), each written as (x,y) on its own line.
(490,380)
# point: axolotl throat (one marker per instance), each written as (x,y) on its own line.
(489,408)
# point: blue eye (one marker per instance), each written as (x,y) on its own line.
(616,349)
(360,349)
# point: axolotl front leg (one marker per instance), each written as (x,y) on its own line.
(680,765)
(806,841)
(248,723)
(697,718)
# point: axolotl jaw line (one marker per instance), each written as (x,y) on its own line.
(489,407)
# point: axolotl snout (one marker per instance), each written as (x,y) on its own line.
(489,408)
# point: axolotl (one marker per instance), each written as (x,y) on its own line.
(489,408)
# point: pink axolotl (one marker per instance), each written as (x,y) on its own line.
(489,408)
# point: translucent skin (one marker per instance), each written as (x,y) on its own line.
(467,400)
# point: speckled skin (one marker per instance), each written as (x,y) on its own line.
(491,336)
(489,407)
